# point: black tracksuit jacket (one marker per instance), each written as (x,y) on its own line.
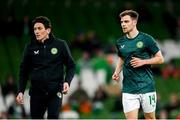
(48,64)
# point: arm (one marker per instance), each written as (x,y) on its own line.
(70,68)
(23,76)
(118,69)
(156,59)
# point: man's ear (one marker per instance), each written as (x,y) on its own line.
(49,30)
(135,22)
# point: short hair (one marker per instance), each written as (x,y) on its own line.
(131,13)
(44,20)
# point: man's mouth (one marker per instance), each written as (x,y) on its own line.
(37,36)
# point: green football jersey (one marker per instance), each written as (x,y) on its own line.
(140,79)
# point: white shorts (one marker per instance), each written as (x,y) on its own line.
(133,101)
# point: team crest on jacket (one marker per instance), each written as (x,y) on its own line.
(59,94)
(139,44)
(54,51)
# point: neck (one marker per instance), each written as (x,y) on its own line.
(133,33)
(42,41)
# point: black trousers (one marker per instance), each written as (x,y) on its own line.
(39,105)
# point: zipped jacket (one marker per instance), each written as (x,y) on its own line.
(48,64)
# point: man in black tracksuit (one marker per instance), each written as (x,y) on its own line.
(45,59)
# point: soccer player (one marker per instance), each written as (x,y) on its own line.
(137,51)
(44,59)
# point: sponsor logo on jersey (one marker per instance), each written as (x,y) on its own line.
(54,51)
(139,44)
(36,52)
(122,46)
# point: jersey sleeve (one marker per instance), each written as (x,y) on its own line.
(152,45)
(118,52)
(117,49)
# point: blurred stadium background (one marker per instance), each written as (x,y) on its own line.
(91,28)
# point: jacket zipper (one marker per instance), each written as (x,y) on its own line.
(44,58)
(44,47)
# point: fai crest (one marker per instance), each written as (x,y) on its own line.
(59,94)
(139,44)
(54,51)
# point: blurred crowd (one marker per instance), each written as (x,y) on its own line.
(169,15)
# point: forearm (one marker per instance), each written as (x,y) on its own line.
(69,76)
(22,84)
(118,69)
(157,59)
(70,71)
(154,60)
(119,66)
(23,76)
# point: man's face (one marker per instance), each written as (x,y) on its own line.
(40,32)
(127,24)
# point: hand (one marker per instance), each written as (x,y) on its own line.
(20,98)
(115,77)
(65,88)
(136,62)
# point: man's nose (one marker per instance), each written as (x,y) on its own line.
(36,32)
(122,24)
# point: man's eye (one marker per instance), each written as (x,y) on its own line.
(39,28)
